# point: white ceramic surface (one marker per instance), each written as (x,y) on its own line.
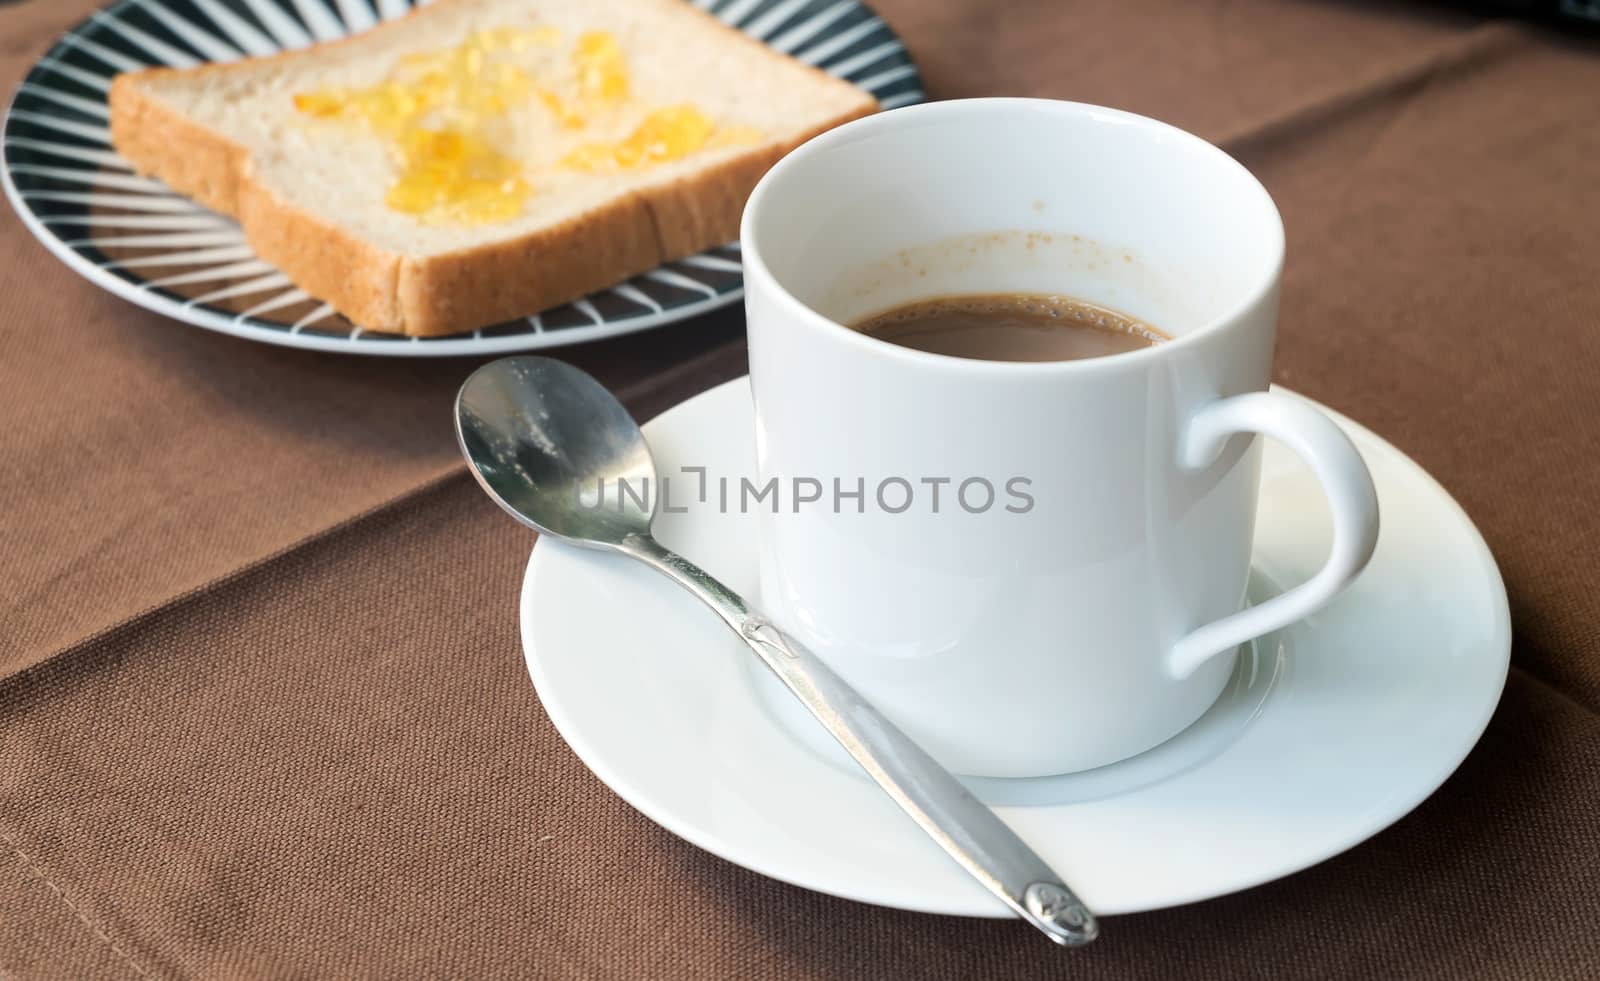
(1095,617)
(1329,731)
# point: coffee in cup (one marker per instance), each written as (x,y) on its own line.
(1011,327)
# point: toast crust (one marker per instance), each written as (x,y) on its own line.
(455,291)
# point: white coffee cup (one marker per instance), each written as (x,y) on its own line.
(1099,620)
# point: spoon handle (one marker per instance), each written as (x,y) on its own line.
(961,824)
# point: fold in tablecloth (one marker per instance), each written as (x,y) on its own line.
(262,708)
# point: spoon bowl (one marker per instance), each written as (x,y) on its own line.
(556,450)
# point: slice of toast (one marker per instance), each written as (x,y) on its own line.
(312,194)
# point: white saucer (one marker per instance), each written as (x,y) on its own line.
(1332,730)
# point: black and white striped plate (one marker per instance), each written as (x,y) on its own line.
(132,236)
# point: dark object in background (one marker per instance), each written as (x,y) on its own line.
(1582,14)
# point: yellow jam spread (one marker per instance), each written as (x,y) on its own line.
(602,77)
(442,111)
(435,109)
(455,176)
(666,134)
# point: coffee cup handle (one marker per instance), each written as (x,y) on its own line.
(1345,481)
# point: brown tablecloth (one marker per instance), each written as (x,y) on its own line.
(262,703)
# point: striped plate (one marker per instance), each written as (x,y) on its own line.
(132,236)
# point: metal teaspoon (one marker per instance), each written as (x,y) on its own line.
(536,431)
